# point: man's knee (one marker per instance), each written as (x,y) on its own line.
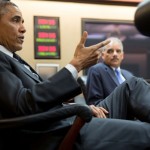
(134,81)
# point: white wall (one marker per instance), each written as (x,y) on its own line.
(70,23)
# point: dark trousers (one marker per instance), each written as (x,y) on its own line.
(114,134)
(128,101)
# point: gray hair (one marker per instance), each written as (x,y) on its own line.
(113,40)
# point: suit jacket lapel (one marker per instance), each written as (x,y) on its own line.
(23,68)
(111,74)
(28,72)
(32,73)
(125,75)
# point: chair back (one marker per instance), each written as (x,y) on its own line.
(82,81)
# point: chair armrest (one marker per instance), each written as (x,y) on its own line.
(83,111)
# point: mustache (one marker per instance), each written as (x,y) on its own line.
(115,58)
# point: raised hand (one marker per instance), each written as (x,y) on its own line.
(86,56)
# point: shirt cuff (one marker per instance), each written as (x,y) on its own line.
(72,70)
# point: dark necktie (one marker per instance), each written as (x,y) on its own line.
(18,58)
(25,64)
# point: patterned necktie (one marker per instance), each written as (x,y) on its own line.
(119,76)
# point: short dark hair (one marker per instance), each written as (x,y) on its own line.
(3,6)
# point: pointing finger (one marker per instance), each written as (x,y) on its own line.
(102,44)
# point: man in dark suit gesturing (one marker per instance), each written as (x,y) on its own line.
(23,93)
(105,76)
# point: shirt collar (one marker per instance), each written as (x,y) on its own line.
(116,68)
(6,51)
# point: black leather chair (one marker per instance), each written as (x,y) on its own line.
(82,81)
(82,112)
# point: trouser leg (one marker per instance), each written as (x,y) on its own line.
(131,98)
(115,134)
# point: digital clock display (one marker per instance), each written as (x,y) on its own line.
(46,37)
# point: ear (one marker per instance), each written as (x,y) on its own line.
(123,55)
